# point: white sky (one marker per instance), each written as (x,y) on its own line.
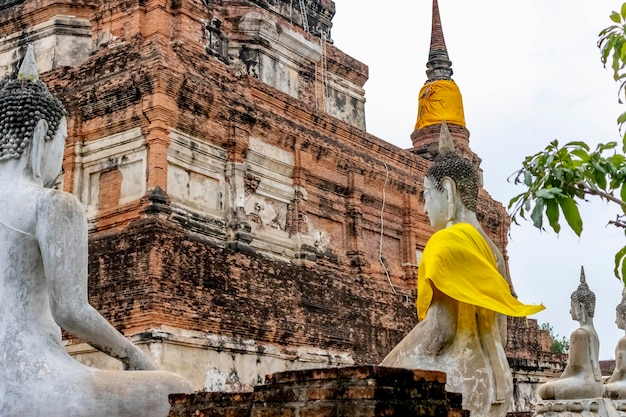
(529,72)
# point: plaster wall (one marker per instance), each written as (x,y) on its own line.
(59,41)
(195,174)
(274,53)
(346,101)
(125,152)
(214,362)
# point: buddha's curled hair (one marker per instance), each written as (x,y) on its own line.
(461,171)
(23,103)
(584,295)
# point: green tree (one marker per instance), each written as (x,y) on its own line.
(560,344)
(560,176)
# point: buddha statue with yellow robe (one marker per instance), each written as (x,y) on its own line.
(464,294)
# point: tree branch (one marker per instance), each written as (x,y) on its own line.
(602,194)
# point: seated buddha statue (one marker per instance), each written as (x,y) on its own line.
(581,377)
(464,293)
(615,387)
(43,279)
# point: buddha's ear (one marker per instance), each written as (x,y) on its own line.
(37,148)
(450,189)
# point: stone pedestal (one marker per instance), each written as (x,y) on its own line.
(592,407)
(620,405)
(347,392)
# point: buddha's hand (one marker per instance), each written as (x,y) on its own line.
(138,361)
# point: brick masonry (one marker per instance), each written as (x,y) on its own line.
(344,392)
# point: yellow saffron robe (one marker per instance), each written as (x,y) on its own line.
(459,262)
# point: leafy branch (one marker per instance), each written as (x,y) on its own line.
(560,176)
(612,44)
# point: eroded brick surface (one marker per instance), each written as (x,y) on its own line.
(346,392)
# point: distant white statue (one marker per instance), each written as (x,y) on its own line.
(615,387)
(581,378)
(43,279)
(463,294)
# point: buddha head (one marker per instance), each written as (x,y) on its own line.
(451,183)
(32,122)
(583,300)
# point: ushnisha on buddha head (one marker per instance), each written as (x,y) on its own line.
(583,300)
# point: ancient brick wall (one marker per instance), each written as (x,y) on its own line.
(155,274)
(356,391)
(531,361)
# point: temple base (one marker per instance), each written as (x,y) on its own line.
(592,407)
(347,392)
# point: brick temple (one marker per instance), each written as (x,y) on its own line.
(242,220)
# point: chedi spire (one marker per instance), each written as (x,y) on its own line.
(440,99)
(439,64)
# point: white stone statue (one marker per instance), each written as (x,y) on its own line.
(43,279)
(463,288)
(615,387)
(582,377)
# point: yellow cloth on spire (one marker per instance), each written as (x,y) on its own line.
(459,262)
(440,101)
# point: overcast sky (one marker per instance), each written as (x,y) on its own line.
(529,72)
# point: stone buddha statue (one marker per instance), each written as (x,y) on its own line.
(43,279)
(615,387)
(464,293)
(581,378)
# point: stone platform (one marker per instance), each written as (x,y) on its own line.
(360,391)
(593,407)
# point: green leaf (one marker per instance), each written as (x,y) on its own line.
(577,143)
(528,179)
(622,193)
(584,156)
(609,145)
(623,11)
(537,214)
(552,211)
(571,214)
(616,17)
(600,178)
(546,193)
(605,54)
(619,262)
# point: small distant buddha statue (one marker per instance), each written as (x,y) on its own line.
(464,293)
(43,279)
(615,387)
(582,377)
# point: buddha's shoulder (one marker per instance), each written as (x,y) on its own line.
(579,333)
(52,200)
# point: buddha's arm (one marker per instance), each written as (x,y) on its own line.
(619,373)
(579,361)
(439,327)
(62,235)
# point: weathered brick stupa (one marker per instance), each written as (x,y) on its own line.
(242,221)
